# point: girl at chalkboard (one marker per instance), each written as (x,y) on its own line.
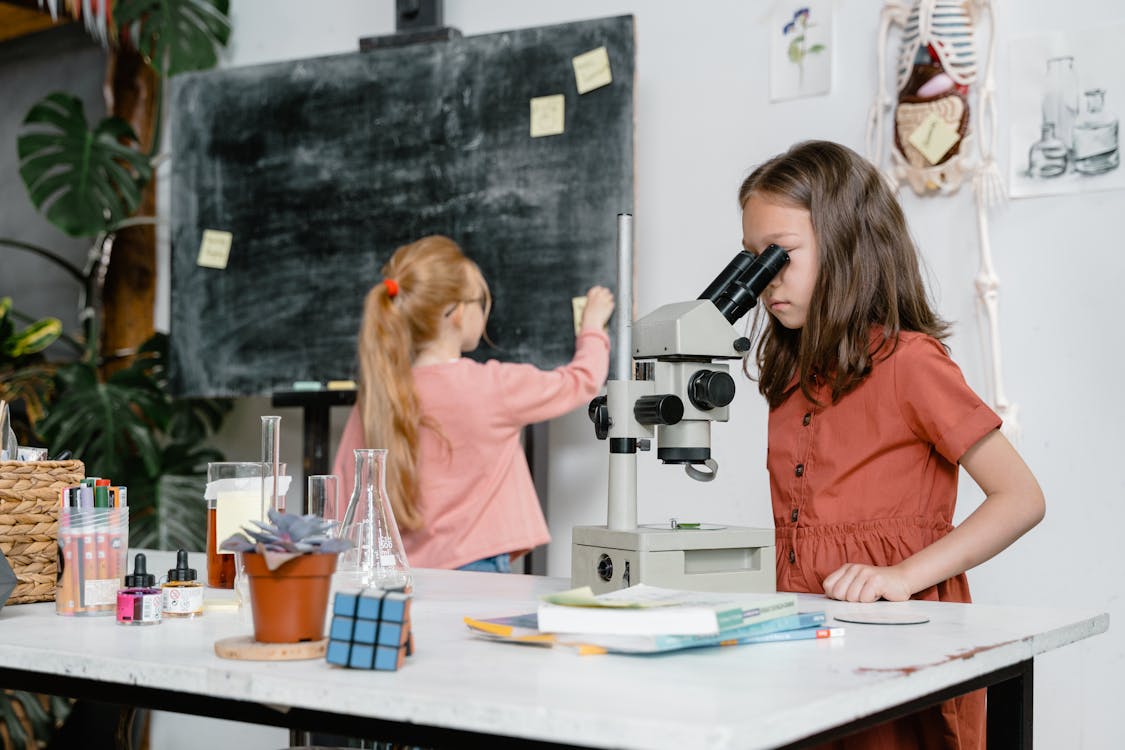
(870,420)
(457,477)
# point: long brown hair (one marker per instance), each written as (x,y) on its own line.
(430,274)
(869,288)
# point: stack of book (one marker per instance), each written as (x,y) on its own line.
(646,619)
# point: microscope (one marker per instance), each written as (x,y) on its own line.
(671,381)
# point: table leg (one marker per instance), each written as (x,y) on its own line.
(1010,710)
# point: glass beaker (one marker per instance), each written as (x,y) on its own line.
(237,492)
(323,498)
(377,557)
(235,496)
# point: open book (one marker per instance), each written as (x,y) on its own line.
(524,629)
(650,610)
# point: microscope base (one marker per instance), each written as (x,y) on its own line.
(730,559)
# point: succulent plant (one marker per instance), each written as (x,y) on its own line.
(287,533)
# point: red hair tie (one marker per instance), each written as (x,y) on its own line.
(392,287)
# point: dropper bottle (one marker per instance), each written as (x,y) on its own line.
(182,593)
(139,602)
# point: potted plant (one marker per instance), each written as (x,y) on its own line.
(289,563)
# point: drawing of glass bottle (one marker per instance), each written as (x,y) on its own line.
(1047,157)
(1095,137)
(1060,98)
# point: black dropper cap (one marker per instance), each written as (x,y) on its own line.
(181,572)
(141,578)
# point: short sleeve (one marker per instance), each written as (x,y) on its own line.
(936,402)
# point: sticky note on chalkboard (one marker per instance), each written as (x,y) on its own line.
(578,304)
(591,70)
(214,248)
(547,115)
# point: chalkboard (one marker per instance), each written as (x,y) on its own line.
(320,168)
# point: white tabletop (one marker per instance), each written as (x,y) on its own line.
(756,696)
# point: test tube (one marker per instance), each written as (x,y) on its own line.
(271,455)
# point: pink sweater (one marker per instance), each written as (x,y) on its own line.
(477,500)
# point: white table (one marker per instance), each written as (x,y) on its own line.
(456,688)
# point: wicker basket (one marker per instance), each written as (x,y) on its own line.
(29,521)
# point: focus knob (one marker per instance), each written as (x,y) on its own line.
(709,389)
(599,415)
(660,409)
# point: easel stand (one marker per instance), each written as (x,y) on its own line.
(316,439)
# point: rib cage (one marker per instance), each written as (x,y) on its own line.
(948,26)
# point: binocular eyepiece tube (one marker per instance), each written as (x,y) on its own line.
(737,288)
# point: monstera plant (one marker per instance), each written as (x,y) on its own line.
(88,180)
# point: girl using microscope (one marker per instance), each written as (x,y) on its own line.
(870,420)
(457,477)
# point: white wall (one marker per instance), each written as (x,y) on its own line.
(703,120)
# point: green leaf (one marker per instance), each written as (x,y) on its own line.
(795,53)
(177,518)
(816,48)
(176,35)
(33,339)
(103,424)
(86,181)
(12,721)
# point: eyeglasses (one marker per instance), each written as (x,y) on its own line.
(479,300)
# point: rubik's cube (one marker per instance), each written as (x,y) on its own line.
(370,629)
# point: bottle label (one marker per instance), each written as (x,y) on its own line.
(183,600)
(150,608)
(134,605)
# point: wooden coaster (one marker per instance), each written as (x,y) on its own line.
(245,647)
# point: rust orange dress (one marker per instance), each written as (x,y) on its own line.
(873,479)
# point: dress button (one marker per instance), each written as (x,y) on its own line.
(792,556)
(793,516)
(807,418)
(800,470)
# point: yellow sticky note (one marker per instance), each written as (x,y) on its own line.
(934,137)
(591,70)
(578,304)
(547,115)
(341,385)
(214,249)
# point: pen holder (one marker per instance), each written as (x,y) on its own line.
(29,511)
(93,545)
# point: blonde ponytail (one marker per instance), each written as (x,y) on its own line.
(402,314)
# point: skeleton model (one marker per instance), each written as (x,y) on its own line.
(931,147)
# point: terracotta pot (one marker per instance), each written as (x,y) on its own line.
(289,603)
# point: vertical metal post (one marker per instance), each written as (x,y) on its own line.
(622,506)
(623,353)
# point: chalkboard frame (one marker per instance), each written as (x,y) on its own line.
(312,221)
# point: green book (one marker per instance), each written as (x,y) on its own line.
(650,610)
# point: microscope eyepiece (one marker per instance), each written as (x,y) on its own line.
(737,288)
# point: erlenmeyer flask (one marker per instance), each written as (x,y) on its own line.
(377,557)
